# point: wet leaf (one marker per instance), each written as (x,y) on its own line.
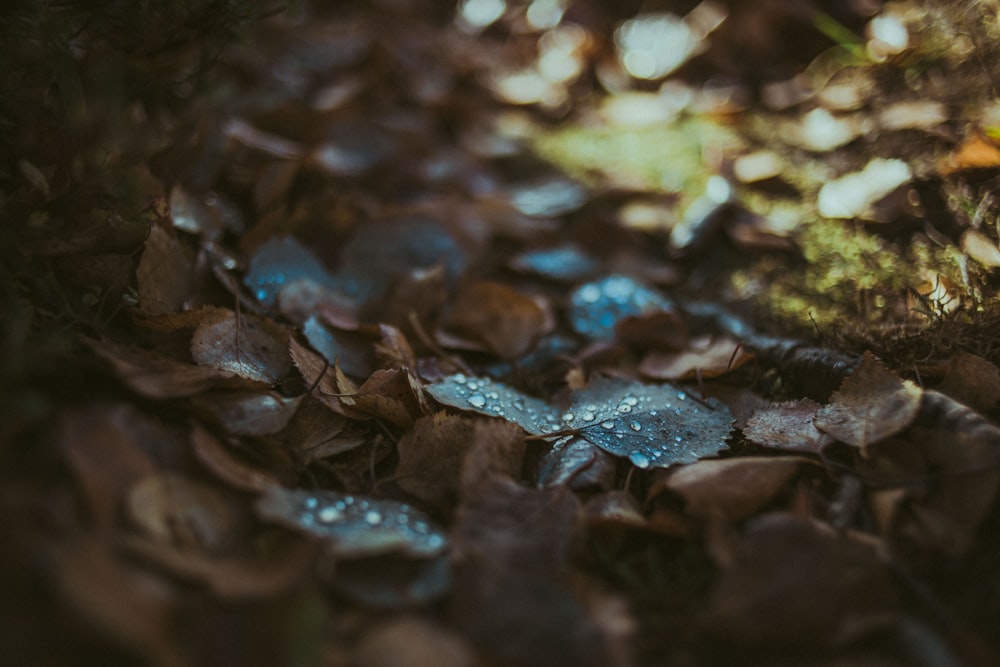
(597,307)
(494,399)
(354,526)
(650,425)
(280,262)
(249,346)
(566,263)
(872,404)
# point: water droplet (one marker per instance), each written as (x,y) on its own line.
(459,378)
(588,416)
(638,459)
(678,438)
(330,514)
(420,527)
(348,500)
(635,426)
(493,396)
(653,413)
(589,293)
(630,400)
(519,404)
(473,385)
(435,541)
(681,396)
(568,416)
(373,518)
(477,400)
(311,503)
(624,407)
(609,424)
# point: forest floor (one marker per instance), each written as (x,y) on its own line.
(501,333)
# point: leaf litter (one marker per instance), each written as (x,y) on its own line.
(372,217)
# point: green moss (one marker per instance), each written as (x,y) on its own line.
(657,158)
(849,275)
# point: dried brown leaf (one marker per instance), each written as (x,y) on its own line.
(176,509)
(500,317)
(730,489)
(227,466)
(244,412)
(497,451)
(872,404)
(800,583)
(431,455)
(972,380)
(158,377)
(788,426)
(165,276)
(706,356)
(249,346)
(411,641)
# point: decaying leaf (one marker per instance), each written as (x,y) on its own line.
(497,451)
(872,404)
(354,526)
(787,426)
(249,346)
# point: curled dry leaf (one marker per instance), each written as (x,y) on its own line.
(872,404)
(787,426)
(249,346)
(354,526)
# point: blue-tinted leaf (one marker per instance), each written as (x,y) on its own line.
(495,399)
(282,261)
(548,197)
(354,525)
(596,307)
(650,425)
(564,263)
